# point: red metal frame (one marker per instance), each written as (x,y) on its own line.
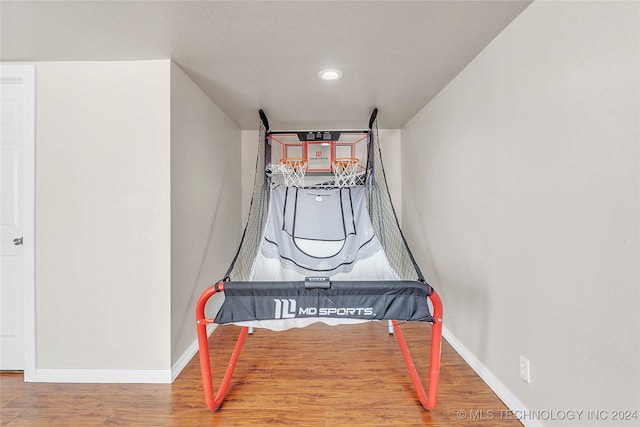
(305,149)
(214,401)
(428,400)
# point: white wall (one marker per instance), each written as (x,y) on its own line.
(102,216)
(205,202)
(137,211)
(521,202)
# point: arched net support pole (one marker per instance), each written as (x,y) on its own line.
(372,119)
(428,400)
(214,402)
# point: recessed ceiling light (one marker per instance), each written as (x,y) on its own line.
(331,74)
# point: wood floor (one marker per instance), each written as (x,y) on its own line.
(317,376)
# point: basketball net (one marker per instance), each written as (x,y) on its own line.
(345,171)
(293,171)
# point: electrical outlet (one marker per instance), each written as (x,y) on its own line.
(525,371)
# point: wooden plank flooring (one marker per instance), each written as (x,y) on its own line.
(317,376)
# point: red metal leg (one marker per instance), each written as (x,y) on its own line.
(428,401)
(214,402)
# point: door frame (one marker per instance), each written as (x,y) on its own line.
(26,74)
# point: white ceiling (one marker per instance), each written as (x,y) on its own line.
(246,55)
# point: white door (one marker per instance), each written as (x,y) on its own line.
(16,147)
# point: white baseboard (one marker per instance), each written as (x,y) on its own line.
(151,376)
(188,354)
(494,384)
(123,376)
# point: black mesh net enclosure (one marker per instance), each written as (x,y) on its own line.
(321,207)
(241,266)
(384,219)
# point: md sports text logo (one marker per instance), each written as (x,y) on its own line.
(286,308)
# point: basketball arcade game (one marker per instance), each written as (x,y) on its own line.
(322,244)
